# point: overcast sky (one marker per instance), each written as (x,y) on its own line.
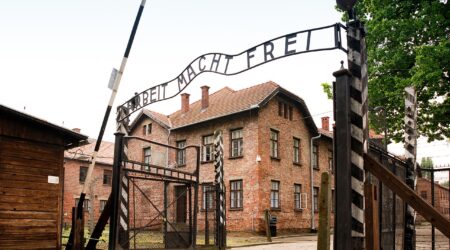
(57,56)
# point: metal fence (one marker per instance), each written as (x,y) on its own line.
(391,207)
(432,186)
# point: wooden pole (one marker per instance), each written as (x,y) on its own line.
(206,218)
(116,83)
(267,219)
(371,217)
(323,241)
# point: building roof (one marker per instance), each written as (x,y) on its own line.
(227,101)
(162,119)
(224,102)
(372,134)
(71,138)
(326,133)
(435,184)
(84,153)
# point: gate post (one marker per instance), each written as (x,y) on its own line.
(343,215)
(357,64)
(115,191)
(410,153)
(220,198)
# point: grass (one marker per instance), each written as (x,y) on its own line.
(149,239)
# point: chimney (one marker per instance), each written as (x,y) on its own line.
(184,103)
(326,123)
(76,130)
(205,96)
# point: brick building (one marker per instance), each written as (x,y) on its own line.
(267,134)
(441,196)
(76,163)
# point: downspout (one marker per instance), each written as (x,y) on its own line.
(167,149)
(168,142)
(313,226)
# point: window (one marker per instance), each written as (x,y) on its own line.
(291,111)
(107,177)
(147,129)
(83,173)
(236,197)
(330,160)
(86,205)
(181,153)
(315,158)
(208,195)
(316,198)
(296,150)
(424,194)
(102,205)
(285,110)
(280,108)
(297,196)
(236,143)
(147,157)
(333,200)
(208,148)
(273,143)
(275,194)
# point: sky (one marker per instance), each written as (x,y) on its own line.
(57,56)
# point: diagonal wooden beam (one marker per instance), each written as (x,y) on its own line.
(407,194)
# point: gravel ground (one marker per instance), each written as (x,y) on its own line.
(287,243)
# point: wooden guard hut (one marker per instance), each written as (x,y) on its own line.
(31,180)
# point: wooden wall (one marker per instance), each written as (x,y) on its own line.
(30,207)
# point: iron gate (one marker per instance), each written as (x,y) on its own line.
(209,214)
(160,197)
(391,207)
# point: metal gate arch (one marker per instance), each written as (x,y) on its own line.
(120,213)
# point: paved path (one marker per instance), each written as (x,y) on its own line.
(288,243)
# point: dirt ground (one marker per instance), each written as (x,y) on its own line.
(423,238)
(304,242)
(249,241)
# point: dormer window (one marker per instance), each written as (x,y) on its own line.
(147,129)
(285,110)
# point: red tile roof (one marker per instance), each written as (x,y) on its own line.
(163,119)
(224,102)
(84,153)
(227,101)
(372,134)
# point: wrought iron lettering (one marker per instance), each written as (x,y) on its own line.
(225,64)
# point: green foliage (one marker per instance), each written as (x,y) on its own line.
(426,163)
(445,184)
(409,45)
(327,89)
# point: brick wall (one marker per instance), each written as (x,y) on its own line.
(256,175)
(73,187)
(441,196)
(243,168)
(283,169)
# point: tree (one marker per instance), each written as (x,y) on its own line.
(445,184)
(426,163)
(408,43)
